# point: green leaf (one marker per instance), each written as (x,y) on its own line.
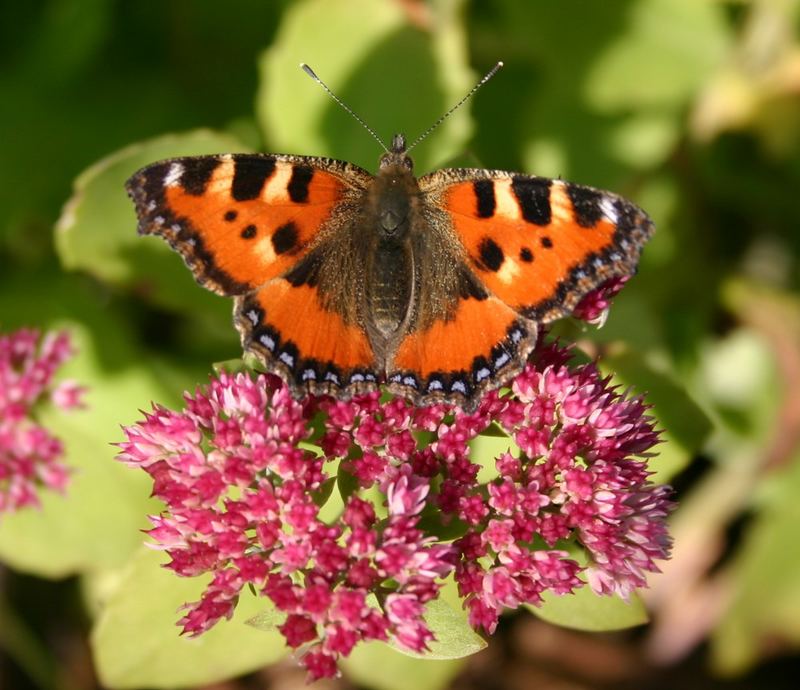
(346,482)
(431,523)
(585,610)
(666,51)
(97,229)
(136,643)
(267,620)
(378,666)
(321,495)
(455,638)
(389,667)
(486,448)
(231,366)
(395,75)
(749,401)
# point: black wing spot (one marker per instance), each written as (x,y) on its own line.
(492,257)
(249,232)
(249,175)
(230,216)
(299,182)
(586,204)
(197,174)
(469,287)
(285,238)
(306,272)
(533,196)
(546,242)
(526,255)
(484,197)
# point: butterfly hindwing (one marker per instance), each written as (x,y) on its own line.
(480,346)
(313,349)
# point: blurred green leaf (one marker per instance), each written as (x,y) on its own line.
(377,665)
(267,620)
(396,74)
(665,51)
(485,449)
(97,230)
(749,400)
(389,667)
(585,610)
(136,643)
(684,424)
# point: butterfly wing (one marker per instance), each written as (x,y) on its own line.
(254,227)
(534,247)
(538,244)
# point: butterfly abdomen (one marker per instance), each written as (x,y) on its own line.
(390,287)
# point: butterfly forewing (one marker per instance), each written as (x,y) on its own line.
(537,244)
(240,220)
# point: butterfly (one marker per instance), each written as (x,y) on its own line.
(436,286)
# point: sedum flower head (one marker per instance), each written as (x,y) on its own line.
(243,469)
(30,456)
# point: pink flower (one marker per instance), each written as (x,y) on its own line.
(241,489)
(593,308)
(30,456)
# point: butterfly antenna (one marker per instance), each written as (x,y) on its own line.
(310,72)
(486,78)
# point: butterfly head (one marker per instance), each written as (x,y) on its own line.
(393,190)
(397,156)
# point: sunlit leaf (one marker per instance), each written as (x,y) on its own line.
(136,643)
(376,665)
(392,71)
(585,610)
(97,230)
(455,638)
(664,51)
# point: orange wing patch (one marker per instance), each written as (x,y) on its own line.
(310,347)
(484,342)
(238,220)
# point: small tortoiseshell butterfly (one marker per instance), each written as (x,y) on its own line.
(435,286)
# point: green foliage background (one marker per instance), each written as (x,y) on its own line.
(689,107)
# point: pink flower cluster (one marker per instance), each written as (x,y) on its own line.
(30,456)
(243,470)
(575,479)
